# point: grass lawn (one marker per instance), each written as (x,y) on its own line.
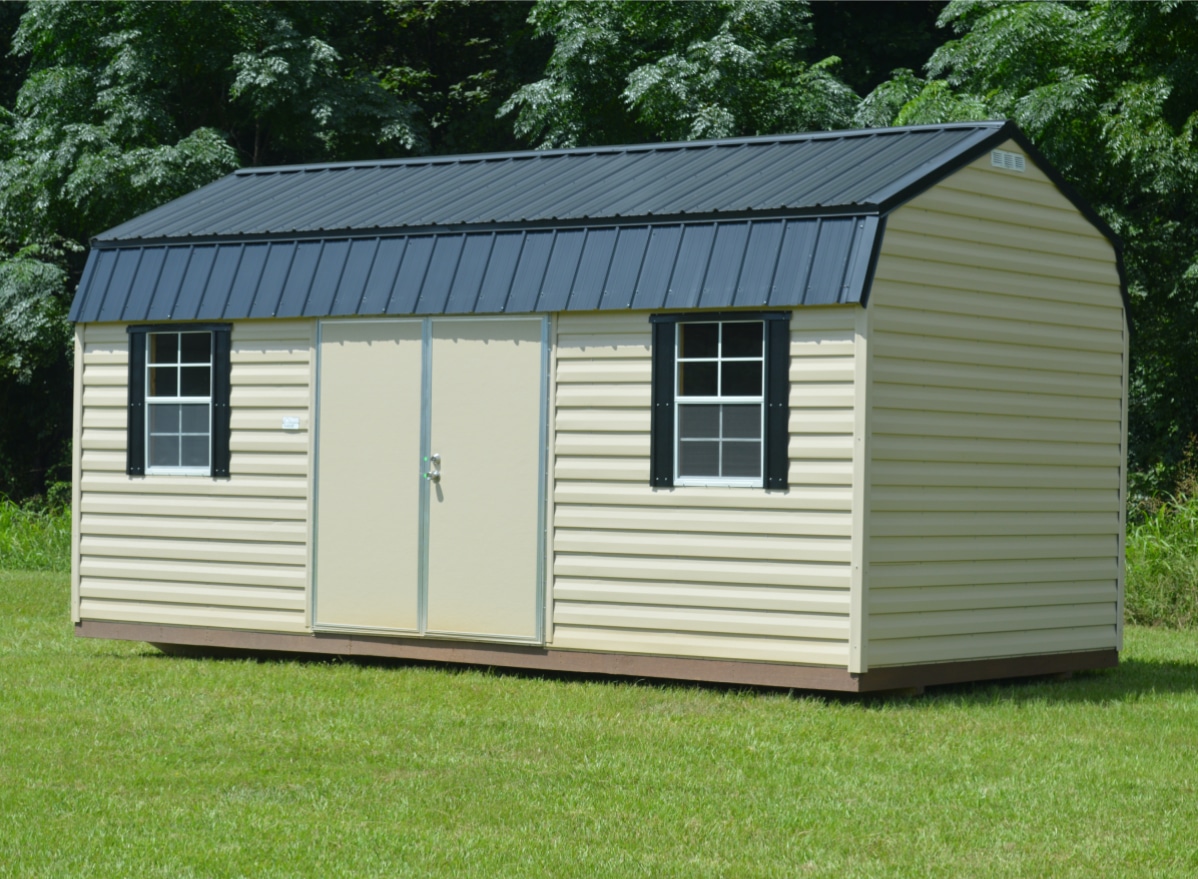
(118,761)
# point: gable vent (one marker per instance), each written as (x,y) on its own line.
(1009,161)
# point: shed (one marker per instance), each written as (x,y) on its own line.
(842,411)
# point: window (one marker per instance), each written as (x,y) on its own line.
(178,400)
(720,399)
(719,383)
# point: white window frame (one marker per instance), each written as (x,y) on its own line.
(178,400)
(680,401)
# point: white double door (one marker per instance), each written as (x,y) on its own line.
(430,477)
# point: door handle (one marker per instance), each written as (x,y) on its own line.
(433,474)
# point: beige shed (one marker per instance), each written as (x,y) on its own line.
(842,411)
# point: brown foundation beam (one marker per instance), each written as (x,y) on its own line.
(764,674)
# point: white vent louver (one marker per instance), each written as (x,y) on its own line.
(1009,161)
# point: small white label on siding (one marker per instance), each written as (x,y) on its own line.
(1009,161)
(290,422)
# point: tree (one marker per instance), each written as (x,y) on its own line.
(873,37)
(457,61)
(1109,91)
(127,105)
(630,72)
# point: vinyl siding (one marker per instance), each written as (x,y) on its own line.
(730,573)
(194,551)
(996,426)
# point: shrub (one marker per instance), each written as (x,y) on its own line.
(34,536)
(1162,564)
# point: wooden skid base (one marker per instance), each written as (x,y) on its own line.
(767,674)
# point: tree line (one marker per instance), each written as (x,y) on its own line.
(110,109)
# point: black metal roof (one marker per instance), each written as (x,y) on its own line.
(767,221)
(847,169)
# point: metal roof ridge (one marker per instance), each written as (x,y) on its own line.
(463,158)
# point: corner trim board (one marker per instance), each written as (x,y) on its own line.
(76,470)
(859,570)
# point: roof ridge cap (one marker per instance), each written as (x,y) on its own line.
(479,158)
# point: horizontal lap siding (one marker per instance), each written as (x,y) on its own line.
(194,551)
(731,573)
(995,427)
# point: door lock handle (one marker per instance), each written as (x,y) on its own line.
(433,474)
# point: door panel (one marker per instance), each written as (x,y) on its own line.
(368,473)
(484,513)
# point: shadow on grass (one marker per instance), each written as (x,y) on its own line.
(1131,681)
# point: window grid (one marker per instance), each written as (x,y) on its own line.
(719,401)
(164,375)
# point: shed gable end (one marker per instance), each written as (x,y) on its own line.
(997,424)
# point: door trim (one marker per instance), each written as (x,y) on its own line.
(426,449)
(543,483)
(424,492)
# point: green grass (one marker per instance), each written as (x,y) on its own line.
(117,761)
(1162,565)
(33,539)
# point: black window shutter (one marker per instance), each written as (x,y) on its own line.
(221,368)
(661,452)
(777,402)
(135,436)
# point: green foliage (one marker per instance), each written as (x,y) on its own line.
(1162,565)
(13,70)
(457,61)
(33,329)
(35,536)
(35,427)
(35,372)
(1162,544)
(626,72)
(130,104)
(1109,91)
(882,106)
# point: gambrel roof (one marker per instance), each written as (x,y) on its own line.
(774,221)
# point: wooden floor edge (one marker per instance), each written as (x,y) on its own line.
(933,674)
(767,674)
